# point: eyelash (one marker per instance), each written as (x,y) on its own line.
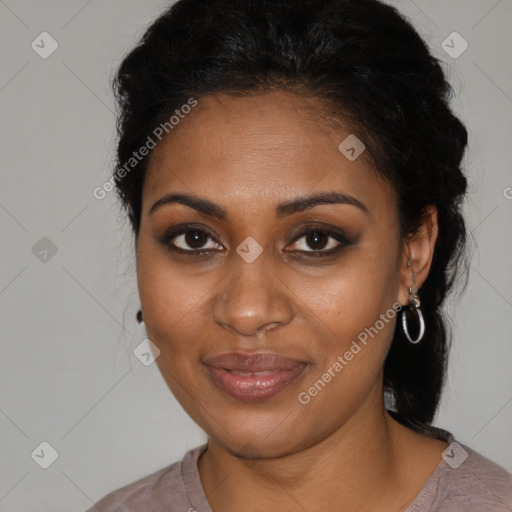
(339,236)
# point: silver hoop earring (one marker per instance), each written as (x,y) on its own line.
(415,306)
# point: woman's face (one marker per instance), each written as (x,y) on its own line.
(246,167)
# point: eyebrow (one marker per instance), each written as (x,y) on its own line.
(289,207)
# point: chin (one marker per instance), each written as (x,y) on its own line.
(256,449)
(259,438)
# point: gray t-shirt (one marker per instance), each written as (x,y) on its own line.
(464,481)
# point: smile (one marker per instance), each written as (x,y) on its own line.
(255,377)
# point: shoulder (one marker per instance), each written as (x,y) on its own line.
(162,490)
(466,480)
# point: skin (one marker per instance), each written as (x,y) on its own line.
(341,451)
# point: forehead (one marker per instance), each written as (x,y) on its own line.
(253,148)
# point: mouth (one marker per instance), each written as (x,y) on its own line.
(253,377)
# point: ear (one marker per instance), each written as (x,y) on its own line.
(419,249)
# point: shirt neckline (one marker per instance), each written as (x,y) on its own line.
(198,500)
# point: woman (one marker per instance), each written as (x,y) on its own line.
(291,171)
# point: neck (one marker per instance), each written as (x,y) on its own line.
(357,467)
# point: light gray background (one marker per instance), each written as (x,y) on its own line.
(67,328)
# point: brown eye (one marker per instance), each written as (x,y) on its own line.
(195,239)
(316,241)
(192,240)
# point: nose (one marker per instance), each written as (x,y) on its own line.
(252,299)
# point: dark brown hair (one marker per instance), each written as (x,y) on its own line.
(365,60)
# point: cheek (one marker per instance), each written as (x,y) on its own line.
(352,327)
(352,294)
(173,308)
(175,311)
(352,309)
(352,341)
(169,295)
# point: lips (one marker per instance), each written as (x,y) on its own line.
(253,377)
